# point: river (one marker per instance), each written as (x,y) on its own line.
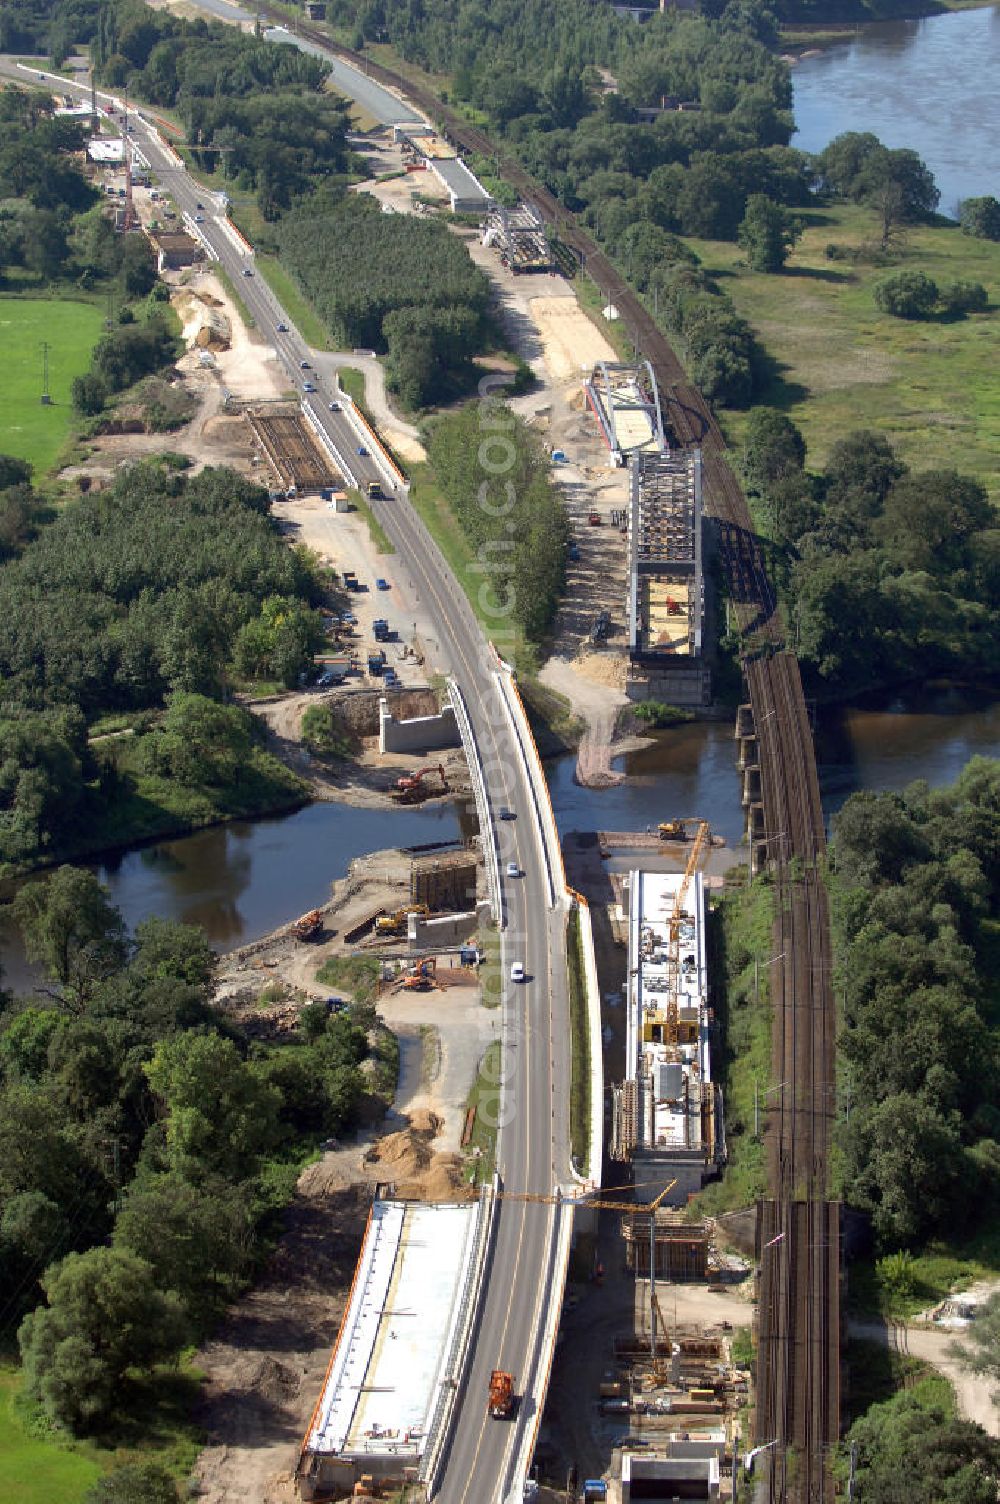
(930,85)
(242,880)
(879,744)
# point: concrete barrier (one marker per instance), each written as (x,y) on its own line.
(425,733)
(199,235)
(368,435)
(551,1289)
(544,822)
(457,1365)
(491,850)
(238,239)
(328,444)
(592,1170)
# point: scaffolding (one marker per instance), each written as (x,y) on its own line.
(666,587)
(626,403)
(520,237)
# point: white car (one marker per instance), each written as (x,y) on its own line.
(513,870)
(517,971)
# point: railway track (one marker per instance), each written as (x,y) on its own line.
(798,1404)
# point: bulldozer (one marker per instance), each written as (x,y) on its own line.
(411,789)
(395,924)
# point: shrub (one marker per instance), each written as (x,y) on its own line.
(907,295)
(964,297)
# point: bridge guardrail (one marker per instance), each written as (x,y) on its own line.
(545,824)
(368,433)
(457,1363)
(326,441)
(551,1288)
(491,853)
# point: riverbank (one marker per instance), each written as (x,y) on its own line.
(796,42)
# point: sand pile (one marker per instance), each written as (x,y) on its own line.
(407,1160)
(603,668)
(203,325)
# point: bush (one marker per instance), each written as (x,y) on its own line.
(959,298)
(907,295)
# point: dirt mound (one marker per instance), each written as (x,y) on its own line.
(425,1121)
(442,1182)
(267,1378)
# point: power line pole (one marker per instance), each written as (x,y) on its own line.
(46,398)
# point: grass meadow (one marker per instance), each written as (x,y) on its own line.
(838,364)
(71,329)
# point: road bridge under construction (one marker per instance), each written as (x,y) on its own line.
(797,1415)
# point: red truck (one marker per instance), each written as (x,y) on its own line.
(501,1394)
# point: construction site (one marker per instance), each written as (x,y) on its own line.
(285,440)
(519,238)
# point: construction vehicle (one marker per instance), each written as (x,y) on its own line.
(411,790)
(309,926)
(374,490)
(420,975)
(380,629)
(376,662)
(677,830)
(501,1394)
(395,924)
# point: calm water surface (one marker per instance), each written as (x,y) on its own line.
(877,745)
(933,85)
(241,881)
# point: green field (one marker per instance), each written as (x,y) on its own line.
(38,1470)
(27,429)
(841,365)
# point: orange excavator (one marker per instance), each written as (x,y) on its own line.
(411,790)
(421,975)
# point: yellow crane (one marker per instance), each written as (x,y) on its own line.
(599,1204)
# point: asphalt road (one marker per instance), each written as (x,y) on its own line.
(534,1148)
(378,101)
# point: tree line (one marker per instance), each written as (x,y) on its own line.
(402,286)
(916,884)
(496,477)
(147,1146)
(892,574)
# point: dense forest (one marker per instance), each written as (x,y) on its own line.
(395,284)
(260,106)
(146,1146)
(495,475)
(892,575)
(53,223)
(158,591)
(916,887)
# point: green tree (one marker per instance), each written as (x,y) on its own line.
(980,217)
(979,1352)
(104,1317)
(767,233)
(907,295)
(912,1450)
(198,1240)
(72,928)
(772,447)
(219,1116)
